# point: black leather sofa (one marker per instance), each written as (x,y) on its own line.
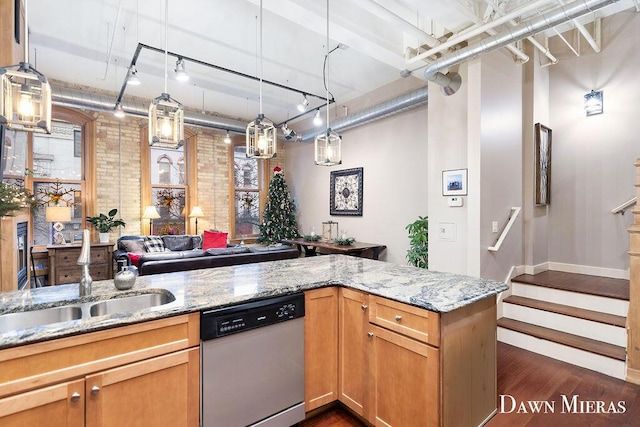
(184,253)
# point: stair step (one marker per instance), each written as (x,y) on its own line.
(581,283)
(575,341)
(595,316)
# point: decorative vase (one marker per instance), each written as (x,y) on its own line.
(104,237)
(124,279)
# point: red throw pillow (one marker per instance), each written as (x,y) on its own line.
(134,258)
(214,239)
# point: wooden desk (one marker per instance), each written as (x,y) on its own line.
(366,250)
(62,262)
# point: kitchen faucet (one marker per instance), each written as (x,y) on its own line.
(84,260)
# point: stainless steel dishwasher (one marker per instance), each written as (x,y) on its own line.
(252,364)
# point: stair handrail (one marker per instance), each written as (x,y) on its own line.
(626,205)
(513,214)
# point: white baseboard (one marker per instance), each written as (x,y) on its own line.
(535,269)
(593,271)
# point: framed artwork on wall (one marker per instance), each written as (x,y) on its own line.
(345,192)
(543,164)
(454,182)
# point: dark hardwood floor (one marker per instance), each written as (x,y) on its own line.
(528,377)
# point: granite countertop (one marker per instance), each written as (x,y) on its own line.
(217,287)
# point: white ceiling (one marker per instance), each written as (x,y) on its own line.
(92,43)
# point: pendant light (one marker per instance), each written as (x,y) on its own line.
(261,132)
(328,145)
(166,115)
(25,96)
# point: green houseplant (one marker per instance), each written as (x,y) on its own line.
(105,223)
(418,252)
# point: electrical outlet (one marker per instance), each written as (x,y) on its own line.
(494,227)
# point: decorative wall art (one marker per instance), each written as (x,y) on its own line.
(543,165)
(345,192)
(454,182)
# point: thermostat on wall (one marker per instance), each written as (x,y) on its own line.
(455,201)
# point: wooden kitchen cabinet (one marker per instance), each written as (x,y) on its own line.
(321,347)
(401,365)
(60,405)
(144,374)
(352,353)
(404,381)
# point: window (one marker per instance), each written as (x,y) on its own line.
(168,190)
(58,178)
(247,195)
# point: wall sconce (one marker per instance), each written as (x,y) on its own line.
(593,103)
(150,213)
(58,215)
(196,213)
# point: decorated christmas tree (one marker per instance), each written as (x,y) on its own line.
(279,218)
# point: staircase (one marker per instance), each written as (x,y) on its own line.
(576,318)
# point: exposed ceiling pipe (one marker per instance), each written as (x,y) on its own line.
(401,103)
(452,41)
(450,82)
(75,98)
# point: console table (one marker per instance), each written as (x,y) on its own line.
(366,250)
(63,267)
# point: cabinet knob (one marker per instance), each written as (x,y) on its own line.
(75,397)
(398,318)
(95,389)
(370,334)
(364,307)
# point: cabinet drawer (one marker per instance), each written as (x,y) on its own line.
(73,274)
(414,322)
(69,257)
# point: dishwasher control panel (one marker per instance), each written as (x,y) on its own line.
(229,320)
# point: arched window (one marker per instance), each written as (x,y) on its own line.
(164,169)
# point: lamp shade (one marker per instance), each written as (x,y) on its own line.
(150,212)
(57,214)
(196,212)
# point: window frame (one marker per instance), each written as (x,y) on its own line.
(263,186)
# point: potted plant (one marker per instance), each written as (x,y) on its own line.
(105,223)
(418,252)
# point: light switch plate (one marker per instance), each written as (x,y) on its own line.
(454,201)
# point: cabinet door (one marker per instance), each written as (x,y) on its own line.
(320,347)
(352,349)
(60,405)
(159,391)
(405,381)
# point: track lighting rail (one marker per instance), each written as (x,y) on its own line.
(142,46)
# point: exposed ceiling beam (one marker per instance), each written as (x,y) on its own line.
(313,22)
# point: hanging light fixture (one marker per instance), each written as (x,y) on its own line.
(328,145)
(118,111)
(181,72)
(261,132)
(25,96)
(166,115)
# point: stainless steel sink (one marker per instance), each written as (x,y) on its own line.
(119,303)
(130,303)
(46,316)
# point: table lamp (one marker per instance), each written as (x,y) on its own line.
(58,215)
(150,213)
(196,213)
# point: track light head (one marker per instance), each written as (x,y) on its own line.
(302,106)
(181,72)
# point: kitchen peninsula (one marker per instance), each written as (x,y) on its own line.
(445,321)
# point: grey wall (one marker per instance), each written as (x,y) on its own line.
(393,153)
(592,164)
